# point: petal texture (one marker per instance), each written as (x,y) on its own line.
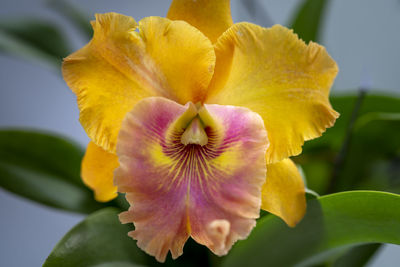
(97,172)
(121,66)
(210,192)
(283,194)
(212,17)
(275,74)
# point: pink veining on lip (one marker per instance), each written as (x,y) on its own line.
(176,190)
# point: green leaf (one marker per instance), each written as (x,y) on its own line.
(331,223)
(377,124)
(74,15)
(34,39)
(376,116)
(44,168)
(310,194)
(358,256)
(100,240)
(377,164)
(372,104)
(308,18)
(11,45)
(117,264)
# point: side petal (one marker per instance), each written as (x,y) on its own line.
(121,66)
(97,172)
(212,17)
(283,194)
(274,73)
(210,192)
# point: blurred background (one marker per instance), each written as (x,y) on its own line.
(361,35)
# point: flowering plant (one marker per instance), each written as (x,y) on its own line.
(193,122)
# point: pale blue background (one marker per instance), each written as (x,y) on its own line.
(363,36)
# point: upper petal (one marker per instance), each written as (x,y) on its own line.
(121,66)
(210,192)
(97,172)
(283,193)
(277,75)
(212,17)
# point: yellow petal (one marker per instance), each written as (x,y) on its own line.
(121,66)
(212,17)
(277,75)
(283,194)
(97,172)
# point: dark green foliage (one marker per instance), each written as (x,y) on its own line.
(44,168)
(308,19)
(331,223)
(34,39)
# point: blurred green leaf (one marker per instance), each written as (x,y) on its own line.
(44,168)
(376,116)
(331,223)
(375,142)
(34,39)
(100,240)
(74,15)
(344,105)
(376,125)
(310,194)
(308,18)
(117,264)
(11,45)
(41,34)
(358,256)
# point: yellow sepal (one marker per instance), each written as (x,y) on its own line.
(211,17)
(283,193)
(97,172)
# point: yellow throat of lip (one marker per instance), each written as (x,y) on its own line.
(195,133)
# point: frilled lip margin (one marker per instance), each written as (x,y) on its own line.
(206,191)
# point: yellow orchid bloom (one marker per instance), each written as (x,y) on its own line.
(199,117)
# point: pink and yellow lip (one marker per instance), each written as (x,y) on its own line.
(206,191)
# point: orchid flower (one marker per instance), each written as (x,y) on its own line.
(198,117)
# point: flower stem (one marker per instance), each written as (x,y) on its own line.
(342,155)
